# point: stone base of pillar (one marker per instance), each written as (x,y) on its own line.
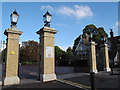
(107,69)
(0,74)
(95,71)
(47,77)
(11,80)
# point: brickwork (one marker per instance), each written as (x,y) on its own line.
(105,57)
(47,65)
(12,55)
(92,57)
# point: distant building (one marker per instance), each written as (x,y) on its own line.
(114,52)
(81,48)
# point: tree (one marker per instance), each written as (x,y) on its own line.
(29,52)
(97,34)
(58,53)
(70,54)
(69,50)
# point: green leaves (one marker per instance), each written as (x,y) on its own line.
(97,33)
(62,55)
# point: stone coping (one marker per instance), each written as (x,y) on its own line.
(13,32)
(47,29)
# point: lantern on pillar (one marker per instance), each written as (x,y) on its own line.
(14,18)
(90,36)
(47,19)
(103,39)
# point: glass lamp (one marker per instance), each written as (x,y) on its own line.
(47,19)
(14,18)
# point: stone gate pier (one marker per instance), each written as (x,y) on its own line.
(12,51)
(105,57)
(92,56)
(11,74)
(47,54)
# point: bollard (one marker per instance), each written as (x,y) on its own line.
(92,80)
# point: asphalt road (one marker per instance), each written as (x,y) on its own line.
(51,84)
(68,80)
(101,81)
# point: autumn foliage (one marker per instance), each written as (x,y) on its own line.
(29,52)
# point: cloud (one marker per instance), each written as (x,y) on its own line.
(48,7)
(66,11)
(117,23)
(118,27)
(78,11)
(62,25)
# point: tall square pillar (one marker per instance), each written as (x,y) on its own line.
(47,54)
(105,57)
(11,73)
(1,64)
(118,49)
(0,72)
(92,57)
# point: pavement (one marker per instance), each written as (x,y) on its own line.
(59,83)
(68,80)
(72,81)
(101,81)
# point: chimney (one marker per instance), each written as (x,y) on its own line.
(86,36)
(111,33)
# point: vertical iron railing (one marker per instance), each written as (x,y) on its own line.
(2,57)
(19,61)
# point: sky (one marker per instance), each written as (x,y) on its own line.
(69,18)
